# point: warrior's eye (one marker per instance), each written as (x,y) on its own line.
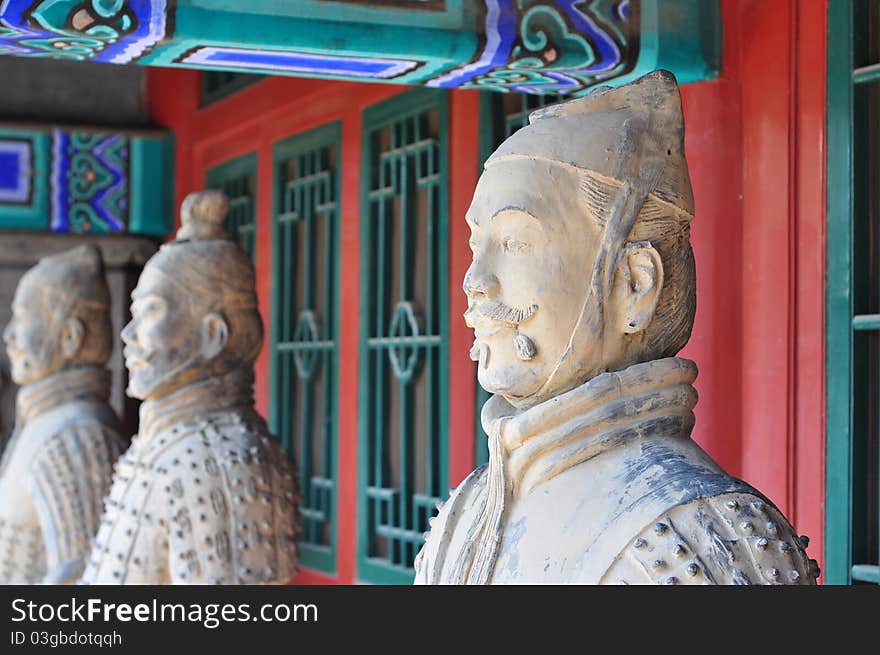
(514,245)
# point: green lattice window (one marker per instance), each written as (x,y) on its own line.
(237,178)
(853,293)
(305,327)
(500,116)
(219,84)
(403,365)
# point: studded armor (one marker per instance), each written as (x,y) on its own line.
(204,495)
(735,538)
(55,471)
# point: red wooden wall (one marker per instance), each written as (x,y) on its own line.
(755,147)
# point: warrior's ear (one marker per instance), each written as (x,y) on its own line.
(72,336)
(215,334)
(637,286)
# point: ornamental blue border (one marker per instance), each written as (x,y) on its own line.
(297,62)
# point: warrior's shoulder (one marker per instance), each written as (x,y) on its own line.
(84,439)
(737,537)
(226,439)
(430,558)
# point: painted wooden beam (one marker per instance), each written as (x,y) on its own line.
(85,180)
(528,46)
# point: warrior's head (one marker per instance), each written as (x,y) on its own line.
(60,316)
(580,230)
(194,311)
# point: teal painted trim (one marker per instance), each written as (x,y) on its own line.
(34,214)
(441,43)
(682,36)
(838,297)
(152,186)
(454,15)
(371,569)
(435,51)
(318,557)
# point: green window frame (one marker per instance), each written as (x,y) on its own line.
(403,416)
(500,116)
(304,366)
(237,178)
(852,293)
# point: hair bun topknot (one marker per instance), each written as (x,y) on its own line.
(203,216)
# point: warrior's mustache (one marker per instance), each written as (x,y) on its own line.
(498,312)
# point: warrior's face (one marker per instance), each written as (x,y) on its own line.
(161,340)
(31,336)
(534,248)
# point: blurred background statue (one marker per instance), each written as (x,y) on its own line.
(204,494)
(57,466)
(581,292)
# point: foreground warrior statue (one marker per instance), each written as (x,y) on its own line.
(581,292)
(57,466)
(204,494)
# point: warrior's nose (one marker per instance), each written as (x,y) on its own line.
(127,334)
(480,283)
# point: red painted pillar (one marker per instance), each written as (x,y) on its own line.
(174,99)
(712,147)
(464,157)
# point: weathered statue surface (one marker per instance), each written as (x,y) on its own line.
(204,494)
(57,466)
(581,292)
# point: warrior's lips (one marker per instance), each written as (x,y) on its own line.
(133,361)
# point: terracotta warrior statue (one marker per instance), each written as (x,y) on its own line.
(57,466)
(581,293)
(204,494)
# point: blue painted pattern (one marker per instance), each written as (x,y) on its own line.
(298,62)
(89,182)
(16,171)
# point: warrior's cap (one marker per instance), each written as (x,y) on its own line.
(77,274)
(205,259)
(615,132)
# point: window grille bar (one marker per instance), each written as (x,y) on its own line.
(866,573)
(405,341)
(866,74)
(304,344)
(866,322)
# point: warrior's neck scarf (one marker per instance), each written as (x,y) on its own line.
(81,383)
(234,390)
